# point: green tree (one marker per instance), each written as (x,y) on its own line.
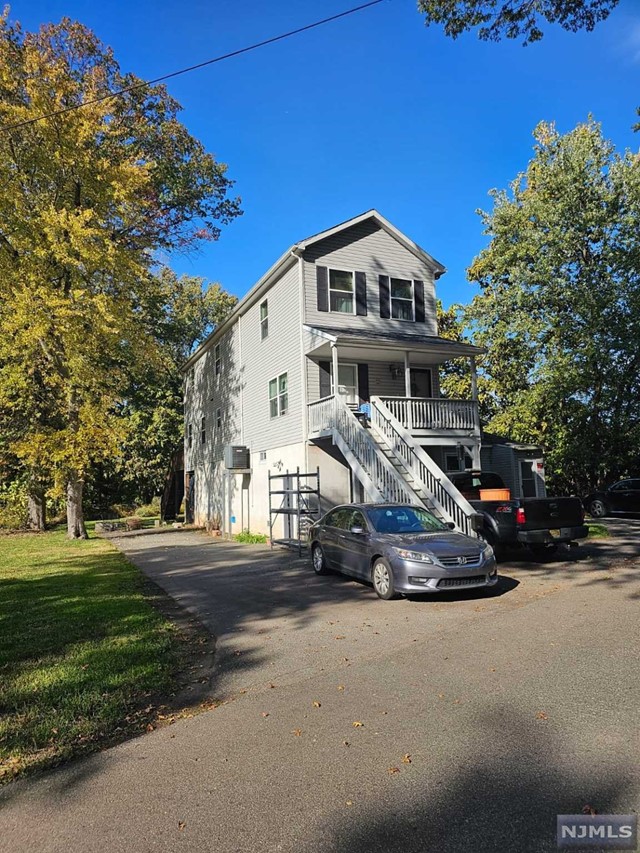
(512,19)
(560,306)
(186,312)
(87,199)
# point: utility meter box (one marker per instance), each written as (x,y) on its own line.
(236,457)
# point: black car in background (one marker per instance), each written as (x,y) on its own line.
(622,497)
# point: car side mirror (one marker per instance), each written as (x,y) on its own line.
(357,530)
(451,525)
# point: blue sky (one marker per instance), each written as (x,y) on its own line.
(374,110)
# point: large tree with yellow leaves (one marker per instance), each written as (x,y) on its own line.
(87,199)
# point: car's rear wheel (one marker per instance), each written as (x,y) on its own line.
(382,579)
(318,560)
(597,509)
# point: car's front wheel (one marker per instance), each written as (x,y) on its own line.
(318,560)
(597,509)
(382,578)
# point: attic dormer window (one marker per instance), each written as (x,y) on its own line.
(341,292)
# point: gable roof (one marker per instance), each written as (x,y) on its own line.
(387,226)
(288,258)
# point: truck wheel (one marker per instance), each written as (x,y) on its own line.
(487,536)
(597,509)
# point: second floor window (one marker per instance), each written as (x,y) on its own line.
(341,295)
(264,319)
(401,292)
(189,435)
(278,396)
(203,431)
(218,419)
(217,358)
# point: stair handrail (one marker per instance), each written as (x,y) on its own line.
(445,496)
(386,480)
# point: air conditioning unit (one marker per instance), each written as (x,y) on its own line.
(236,456)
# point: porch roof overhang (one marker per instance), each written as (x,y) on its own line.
(323,337)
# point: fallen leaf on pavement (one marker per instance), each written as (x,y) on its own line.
(265,713)
(393,770)
(357,724)
(181,824)
(541,715)
(406,759)
(346,743)
(340,686)
(339,637)
(349,802)
(440,695)
(316,704)
(297,732)
(589,810)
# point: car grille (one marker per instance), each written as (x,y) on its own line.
(462,560)
(448,582)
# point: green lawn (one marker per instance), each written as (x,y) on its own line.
(597,531)
(81,649)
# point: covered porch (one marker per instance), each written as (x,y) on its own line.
(399,369)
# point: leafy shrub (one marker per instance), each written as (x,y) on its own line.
(251,538)
(149,510)
(133,523)
(13,506)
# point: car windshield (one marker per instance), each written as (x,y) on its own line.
(404,519)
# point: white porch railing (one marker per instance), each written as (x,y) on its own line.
(381,480)
(449,502)
(434,413)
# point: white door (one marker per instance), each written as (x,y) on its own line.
(348,383)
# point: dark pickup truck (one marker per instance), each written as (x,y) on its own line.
(537,523)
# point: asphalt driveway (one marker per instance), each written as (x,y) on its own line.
(451,724)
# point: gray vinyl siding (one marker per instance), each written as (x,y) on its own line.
(367,248)
(382,383)
(263,360)
(500,459)
(204,394)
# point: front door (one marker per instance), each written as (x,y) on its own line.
(421,382)
(348,383)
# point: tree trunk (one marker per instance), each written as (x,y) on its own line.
(36,510)
(75,518)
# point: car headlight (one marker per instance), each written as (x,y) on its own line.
(487,550)
(416,556)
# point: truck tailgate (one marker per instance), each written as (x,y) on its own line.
(551,513)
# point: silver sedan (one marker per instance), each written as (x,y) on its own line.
(400,549)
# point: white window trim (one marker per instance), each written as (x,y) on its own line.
(279,394)
(264,320)
(336,290)
(402,299)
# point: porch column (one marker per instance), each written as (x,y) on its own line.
(407,388)
(474,378)
(334,367)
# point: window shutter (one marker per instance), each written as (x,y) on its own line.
(325,379)
(418,292)
(363,382)
(322,283)
(385,302)
(361,294)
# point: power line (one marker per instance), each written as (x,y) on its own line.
(224,56)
